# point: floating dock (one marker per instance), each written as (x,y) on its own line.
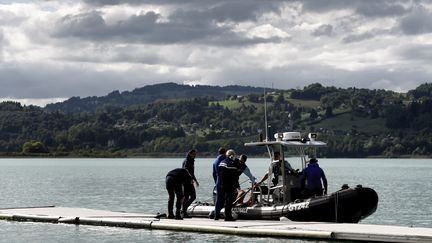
(281,229)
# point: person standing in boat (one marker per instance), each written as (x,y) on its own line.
(242,168)
(315,178)
(227,178)
(177,183)
(189,165)
(277,169)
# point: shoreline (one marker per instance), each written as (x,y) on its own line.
(169,155)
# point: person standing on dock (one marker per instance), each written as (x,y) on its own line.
(175,181)
(227,178)
(189,165)
(216,163)
(315,178)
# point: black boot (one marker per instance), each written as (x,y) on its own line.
(185,214)
(212,215)
(170,211)
(229,217)
(178,215)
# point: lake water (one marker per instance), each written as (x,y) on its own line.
(137,185)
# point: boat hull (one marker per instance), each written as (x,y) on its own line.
(345,206)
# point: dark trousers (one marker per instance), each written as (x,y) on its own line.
(190,195)
(316,192)
(225,197)
(174,190)
(219,202)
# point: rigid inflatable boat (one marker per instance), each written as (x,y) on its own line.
(284,197)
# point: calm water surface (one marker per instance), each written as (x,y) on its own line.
(137,185)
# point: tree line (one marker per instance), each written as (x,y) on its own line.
(173,126)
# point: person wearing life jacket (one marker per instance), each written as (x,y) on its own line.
(315,178)
(177,182)
(277,169)
(228,179)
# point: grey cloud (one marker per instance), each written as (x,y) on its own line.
(357,37)
(325,29)
(1,45)
(222,10)
(417,52)
(182,27)
(242,10)
(395,78)
(368,8)
(131,2)
(373,8)
(10,18)
(419,21)
(107,54)
(373,33)
(40,81)
(325,5)
(81,25)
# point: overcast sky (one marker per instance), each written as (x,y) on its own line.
(51,50)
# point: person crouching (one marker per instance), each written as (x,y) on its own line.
(175,181)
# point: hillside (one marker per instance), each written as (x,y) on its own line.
(148,94)
(354,122)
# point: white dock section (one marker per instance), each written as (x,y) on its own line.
(284,229)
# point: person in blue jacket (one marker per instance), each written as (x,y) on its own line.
(189,165)
(315,178)
(221,156)
(216,163)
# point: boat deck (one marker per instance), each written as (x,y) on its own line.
(283,229)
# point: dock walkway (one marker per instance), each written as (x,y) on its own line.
(284,228)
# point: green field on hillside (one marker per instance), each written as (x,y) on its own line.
(233,104)
(348,122)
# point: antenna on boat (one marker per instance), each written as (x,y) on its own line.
(265,114)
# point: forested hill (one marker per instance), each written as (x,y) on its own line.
(149,94)
(354,122)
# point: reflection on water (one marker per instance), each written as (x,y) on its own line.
(137,185)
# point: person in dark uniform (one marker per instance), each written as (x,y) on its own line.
(315,178)
(228,180)
(177,182)
(189,165)
(221,156)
